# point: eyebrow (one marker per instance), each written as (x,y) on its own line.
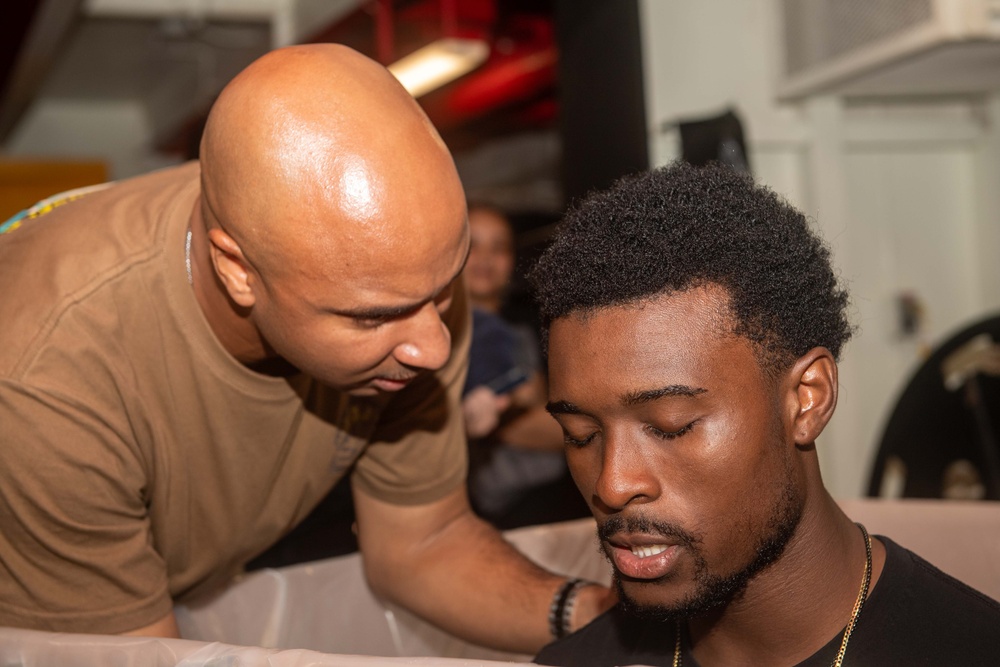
(392,312)
(641,397)
(561,408)
(632,398)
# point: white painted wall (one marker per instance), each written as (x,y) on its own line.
(905,193)
(113,131)
(136,70)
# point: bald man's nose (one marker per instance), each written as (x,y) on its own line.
(428,341)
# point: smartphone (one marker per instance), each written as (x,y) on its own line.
(508,381)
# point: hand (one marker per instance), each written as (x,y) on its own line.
(482,410)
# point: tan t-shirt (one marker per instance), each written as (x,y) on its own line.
(139,462)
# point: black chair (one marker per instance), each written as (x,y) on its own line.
(944,428)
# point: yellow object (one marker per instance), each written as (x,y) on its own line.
(25,183)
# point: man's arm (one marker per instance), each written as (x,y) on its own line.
(74,543)
(443,563)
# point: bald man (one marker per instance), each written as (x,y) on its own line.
(189,360)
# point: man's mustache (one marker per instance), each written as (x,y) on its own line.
(618,524)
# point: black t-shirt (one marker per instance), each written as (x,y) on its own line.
(915,615)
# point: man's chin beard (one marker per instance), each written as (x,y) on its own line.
(715,591)
(712,592)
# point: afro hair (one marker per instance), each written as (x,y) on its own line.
(680,226)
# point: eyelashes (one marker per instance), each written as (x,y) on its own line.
(570,441)
(670,435)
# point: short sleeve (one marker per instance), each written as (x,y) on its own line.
(418,452)
(76,553)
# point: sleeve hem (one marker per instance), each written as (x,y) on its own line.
(106,621)
(422,496)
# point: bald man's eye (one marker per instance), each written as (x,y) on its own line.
(571,441)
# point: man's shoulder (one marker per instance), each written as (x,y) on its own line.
(918,614)
(63,253)
(918,577)
(613,638)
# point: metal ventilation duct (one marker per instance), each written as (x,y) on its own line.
(890,47)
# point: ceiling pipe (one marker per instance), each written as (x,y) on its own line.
(517,77)
(384,32)
(449,18)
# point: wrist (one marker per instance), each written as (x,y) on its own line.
(575,603)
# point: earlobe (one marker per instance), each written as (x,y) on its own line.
(230,265)
(814,377)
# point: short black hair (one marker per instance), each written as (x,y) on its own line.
(678,227)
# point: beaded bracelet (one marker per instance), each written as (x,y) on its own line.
(561,609)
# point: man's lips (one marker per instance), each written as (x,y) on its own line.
(642,556)
(392,384)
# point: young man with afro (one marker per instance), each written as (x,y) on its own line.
(693,324)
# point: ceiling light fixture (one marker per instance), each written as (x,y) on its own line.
(438,63)
(457,47)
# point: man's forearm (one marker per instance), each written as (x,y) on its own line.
(468,580)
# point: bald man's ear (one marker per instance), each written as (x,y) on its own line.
(231,267)
(812,394)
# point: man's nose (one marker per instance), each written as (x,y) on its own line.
(428,342)
(627,474)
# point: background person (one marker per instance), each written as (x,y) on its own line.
(191,359)
(517,471)
(694,323)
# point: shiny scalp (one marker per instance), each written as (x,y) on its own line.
(298,152)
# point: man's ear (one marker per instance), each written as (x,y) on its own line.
(812,394)
(231,266)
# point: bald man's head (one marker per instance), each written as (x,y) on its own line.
(319,171)
(305,133)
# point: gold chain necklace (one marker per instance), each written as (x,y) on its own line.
(187,256)
(862,596)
